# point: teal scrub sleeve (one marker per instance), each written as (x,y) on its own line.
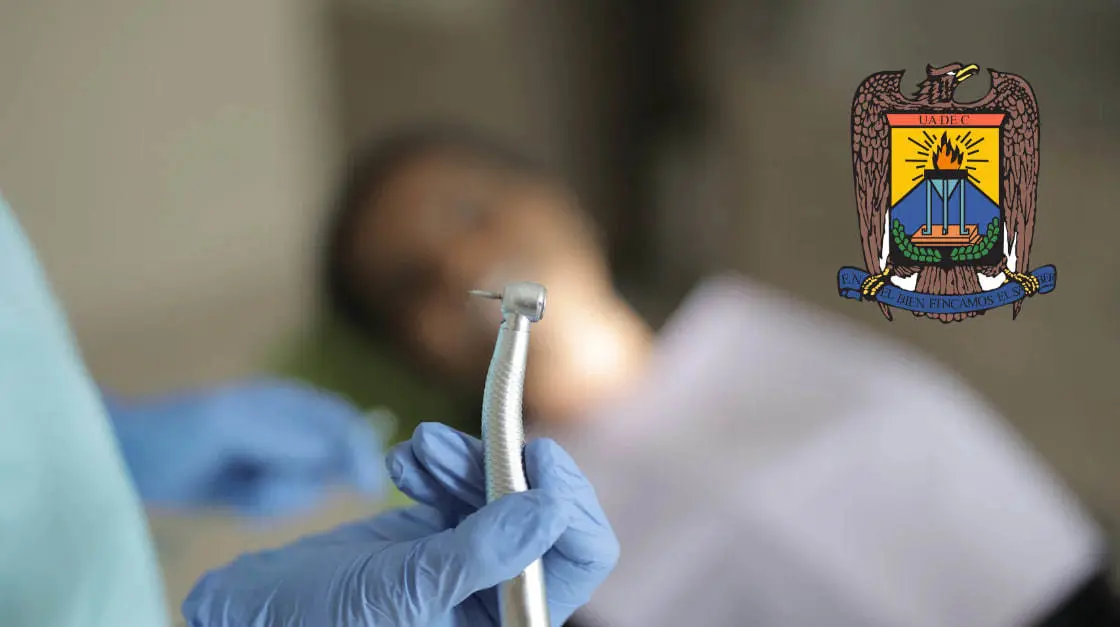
(74,544)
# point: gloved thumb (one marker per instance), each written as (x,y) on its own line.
(492,545)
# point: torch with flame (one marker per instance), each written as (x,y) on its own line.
(948,174)
(947,156)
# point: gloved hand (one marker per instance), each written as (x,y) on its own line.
(435,564)
(264,447)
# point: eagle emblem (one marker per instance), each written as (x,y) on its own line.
(946,195)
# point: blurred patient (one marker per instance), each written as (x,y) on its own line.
(763,464)
(428,216)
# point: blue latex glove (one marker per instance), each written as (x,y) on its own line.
(435,564)
(264,447)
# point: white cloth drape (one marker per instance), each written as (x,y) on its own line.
(782,468)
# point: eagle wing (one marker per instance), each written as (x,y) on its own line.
(1019,163)
(879,94)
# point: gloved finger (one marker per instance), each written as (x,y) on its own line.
(490,546)
(440,467)
(588,550)
(415,482)
(412,479)
(454,459)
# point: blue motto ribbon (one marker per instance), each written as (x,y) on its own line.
(849,281)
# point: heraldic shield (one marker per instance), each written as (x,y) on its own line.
(944,189)
(946,195)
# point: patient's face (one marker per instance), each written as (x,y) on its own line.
(447,223)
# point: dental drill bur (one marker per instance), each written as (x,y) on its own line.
(522,600)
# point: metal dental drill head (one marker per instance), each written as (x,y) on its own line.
(524,300)
(522,600)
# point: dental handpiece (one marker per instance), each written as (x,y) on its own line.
(522,600)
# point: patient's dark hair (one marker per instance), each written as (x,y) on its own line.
(374,166)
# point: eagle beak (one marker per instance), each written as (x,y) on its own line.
(967,72)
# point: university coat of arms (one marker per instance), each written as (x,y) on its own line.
(946,195)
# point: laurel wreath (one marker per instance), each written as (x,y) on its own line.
(921,254)
(980,249)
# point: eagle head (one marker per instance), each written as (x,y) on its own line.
(941,82)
